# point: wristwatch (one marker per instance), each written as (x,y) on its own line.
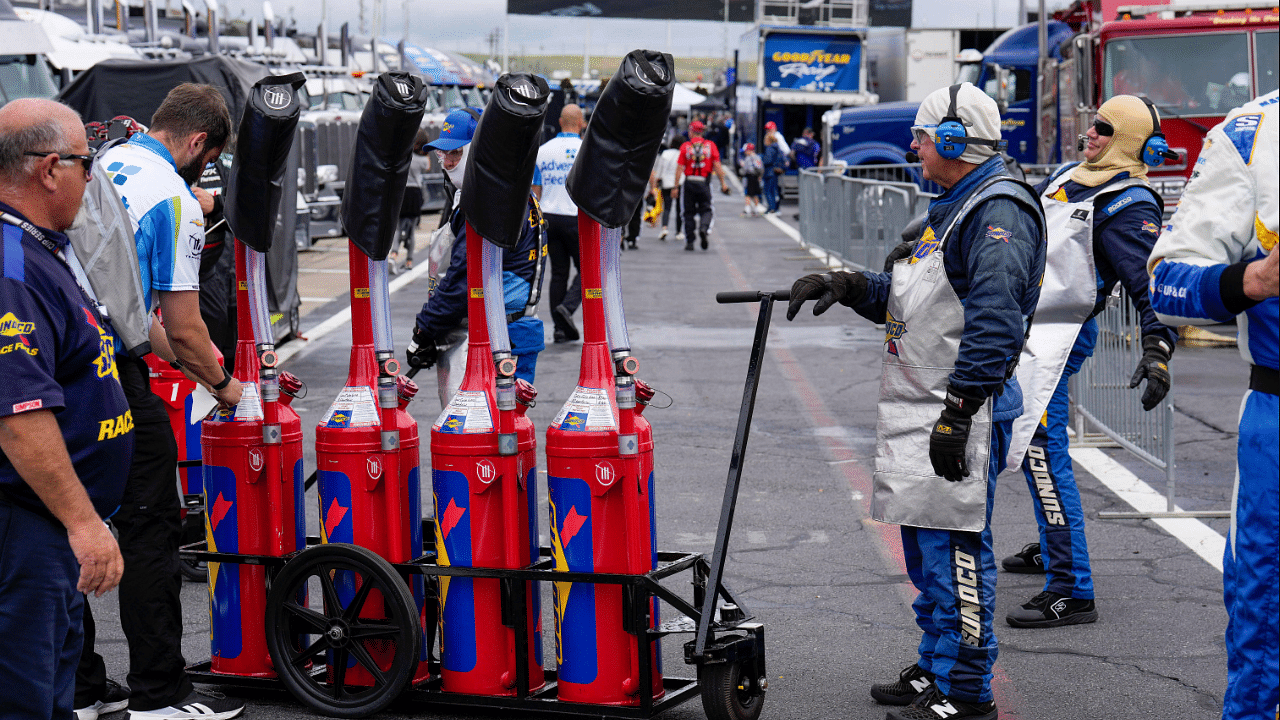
(226,380)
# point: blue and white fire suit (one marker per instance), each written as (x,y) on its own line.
(1227,219)
(993,257)
(1126,223)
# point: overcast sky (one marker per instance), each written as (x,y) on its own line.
(464,24)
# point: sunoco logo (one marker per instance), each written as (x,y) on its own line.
(605,474)
(276,98)
(486,472)
(404,88)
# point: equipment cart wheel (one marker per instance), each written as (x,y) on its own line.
(348,650)
(728,693)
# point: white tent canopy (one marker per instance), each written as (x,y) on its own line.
(684,98)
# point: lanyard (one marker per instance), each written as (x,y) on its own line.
(66,254)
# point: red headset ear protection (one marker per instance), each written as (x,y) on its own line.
(952,136)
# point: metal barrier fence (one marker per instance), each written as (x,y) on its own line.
(855,216)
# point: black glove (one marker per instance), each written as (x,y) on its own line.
(905,249)
(1154,366)
(829,288)
(951,434)
(422,351)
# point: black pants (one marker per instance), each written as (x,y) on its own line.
(696,200)
(149,528)
(562,242)
(668,202)
(633,227)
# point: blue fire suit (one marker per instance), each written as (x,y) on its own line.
(1227,219)
(1125,227)
(521,284)
(994,262)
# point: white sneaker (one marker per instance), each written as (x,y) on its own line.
(115,699)
(679,236)
(199,705)
(663,236)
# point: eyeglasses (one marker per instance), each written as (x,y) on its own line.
(923,133)
(455,154)
(86,161)
(1103,128)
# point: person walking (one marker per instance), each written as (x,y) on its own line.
(1215,262)
(555,160)
(752,171)
(947,401)
(774,163)
(698,159)
(664,180)
(66,432)
(807,151)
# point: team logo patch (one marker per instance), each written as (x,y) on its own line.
(106,360)
(1150,227)
(893,332)
(10,326)
(1079,214)
(1061,195)
(1242,131)
(119,173)
(28,405)
(999,233)
(928,243)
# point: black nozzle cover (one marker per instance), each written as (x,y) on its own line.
(503,154)
(256,184)
(611,171)
(380,166)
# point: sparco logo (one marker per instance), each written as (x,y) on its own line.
(486,472)
(969,594)
(605,474)
(1037,461)
(404,89)
(276,98)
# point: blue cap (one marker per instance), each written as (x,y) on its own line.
(459,128)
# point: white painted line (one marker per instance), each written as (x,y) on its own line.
(1202,539)
(795,235)
(342,317)
(320,300)
(790,232)
(324,271)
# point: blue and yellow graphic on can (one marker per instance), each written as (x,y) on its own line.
(893,332)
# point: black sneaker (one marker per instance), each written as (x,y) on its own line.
(1028,561)
(114,699)
(933,705)
(912,681)
(199,705)
(1049,609)
(704,240)
(564,323)
(689,247)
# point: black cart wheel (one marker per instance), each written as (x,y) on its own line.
(343,630)
(728,694)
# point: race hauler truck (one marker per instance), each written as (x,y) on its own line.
(1195,62)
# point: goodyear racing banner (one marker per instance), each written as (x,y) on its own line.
(739,10)
(812,62)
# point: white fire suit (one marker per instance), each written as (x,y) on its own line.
(1226,219)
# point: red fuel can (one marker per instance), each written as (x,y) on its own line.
(367,469)
(486,516)
(602,517)
(254,506)
(174,390)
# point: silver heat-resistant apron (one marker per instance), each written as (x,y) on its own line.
(922,341)
(1067,297)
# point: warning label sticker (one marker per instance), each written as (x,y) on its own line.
(354,407)
(467,412)
(248,409)
(587,409)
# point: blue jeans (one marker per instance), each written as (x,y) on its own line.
(955,573)
(40,616)
(771,194)
(1052,481)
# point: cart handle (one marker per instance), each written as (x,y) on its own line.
(746,296)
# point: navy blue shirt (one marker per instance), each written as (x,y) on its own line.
(57,353)
(995,262)
(1126,225)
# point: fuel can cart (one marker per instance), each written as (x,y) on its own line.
(316,632)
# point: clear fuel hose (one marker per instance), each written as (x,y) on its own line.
(379,306)
(259,313)
(495,303)
(611,286)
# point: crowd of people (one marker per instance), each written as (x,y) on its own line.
(974,374)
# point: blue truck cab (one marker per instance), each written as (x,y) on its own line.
(880,134)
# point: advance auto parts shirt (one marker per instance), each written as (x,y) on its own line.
(555,160)
(168,225)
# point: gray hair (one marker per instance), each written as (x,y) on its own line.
(48,135)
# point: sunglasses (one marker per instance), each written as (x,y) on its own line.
(1103,128)
(86,161)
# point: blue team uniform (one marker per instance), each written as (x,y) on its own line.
(56,354)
